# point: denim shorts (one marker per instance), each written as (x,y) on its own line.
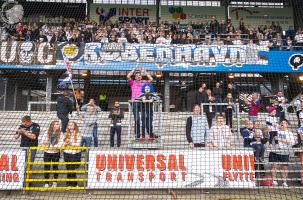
(274,157)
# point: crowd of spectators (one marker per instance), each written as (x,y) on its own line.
(212,32)
(200,129)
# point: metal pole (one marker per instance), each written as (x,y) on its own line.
(158,12)
(129,122)
(238,120)
(166,92)
(29,108)
(15,96)
(49,85)
(5,94)
(88,5)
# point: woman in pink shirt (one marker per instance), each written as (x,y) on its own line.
(136,91)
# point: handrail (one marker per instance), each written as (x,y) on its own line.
(29,104)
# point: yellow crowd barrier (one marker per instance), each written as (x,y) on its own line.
(31,171)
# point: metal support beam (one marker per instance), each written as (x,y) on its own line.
(48,91)
(166,92)
(88,6)
(15,96)
(158,12)
(5,94)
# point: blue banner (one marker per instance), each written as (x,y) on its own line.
(181,58)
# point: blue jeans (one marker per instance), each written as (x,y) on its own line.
(136,111)
(147,122)
(113,130)
(95,135)
(259,150)
(86,141)
(252,118)
(33,154)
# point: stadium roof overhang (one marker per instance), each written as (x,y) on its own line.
(173,2)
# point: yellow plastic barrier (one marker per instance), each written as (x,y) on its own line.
(30,171)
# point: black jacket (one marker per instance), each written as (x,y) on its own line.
(64,105)
(202,97)
(189,122)
(116,118)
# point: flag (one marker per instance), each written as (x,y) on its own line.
(68,65)
(67,80)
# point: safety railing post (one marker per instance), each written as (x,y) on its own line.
(129,122)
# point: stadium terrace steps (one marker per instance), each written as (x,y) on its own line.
(172,130)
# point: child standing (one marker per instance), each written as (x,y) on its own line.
(247,133)
(147,98)
(116,115)
(272,123)
(258,142)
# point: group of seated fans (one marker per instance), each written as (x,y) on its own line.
(210,32)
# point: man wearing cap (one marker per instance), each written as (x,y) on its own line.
(136,91)
(281,143)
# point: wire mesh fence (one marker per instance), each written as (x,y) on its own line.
(151,100)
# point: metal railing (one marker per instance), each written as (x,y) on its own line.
(237,112)
(30,103)
(156,122)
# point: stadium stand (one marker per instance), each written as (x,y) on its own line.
(206,96)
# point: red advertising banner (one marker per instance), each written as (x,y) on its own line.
(12,166)
(171,169)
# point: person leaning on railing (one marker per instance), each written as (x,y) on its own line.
(72,139)
(136,87)
(147,98)
(53,139)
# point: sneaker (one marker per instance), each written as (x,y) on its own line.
(46,185)
(261,160)
(151,139)
(284,184)
(275,183)
(54,184)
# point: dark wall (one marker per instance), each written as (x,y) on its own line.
(73,10)
(298,13)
